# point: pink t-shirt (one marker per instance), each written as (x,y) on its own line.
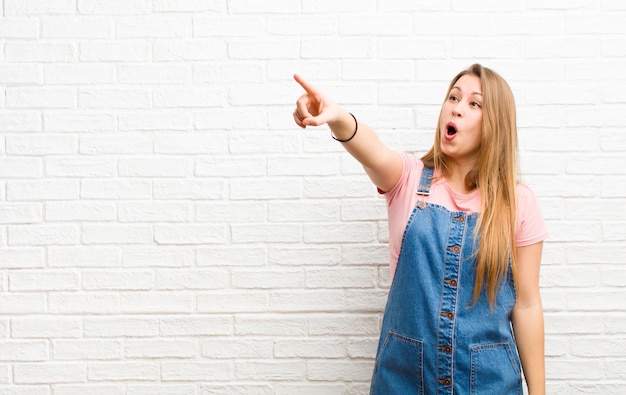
(402,198)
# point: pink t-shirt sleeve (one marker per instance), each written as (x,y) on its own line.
(531,227)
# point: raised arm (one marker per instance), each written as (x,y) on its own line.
(527,318)
(381,164)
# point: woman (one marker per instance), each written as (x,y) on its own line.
(464,309)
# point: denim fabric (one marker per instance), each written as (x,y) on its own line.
(433,340)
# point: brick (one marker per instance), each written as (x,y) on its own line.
(38,7)
(138,302)
(116,233)
(123,371)
(116,189)
(41,145)
(92,389)
(117,280)
(310,348)
(259,233)
(154,120)
(231,212)
(23,350)
(21,121)
(73,27)
(114,144)
(190,234)
(159,349)
(339,370)
(40,52)
(252,301)
(50,372)
(114,98)
(219,72)
(153,212)
(78,122)
(193,189)
(167,50)
(278,6)
(241,255)
(196,371)
(382,24)
(343,324)
(20,74)
(79,211)
(230,167)
(19,27)
(347,48)
(188,5)
(75,256)
(197,325)
(78,349)
(156,73)
(307,301)
(189,97)
(114,7)
(161,389)
(273,369)
(267,279)
(45,327)
(157,257)
(303,211)
(265,189)
(21,258)
(153,26)
(40,98)
(412,48)
(42,235)
(222,348)
(83,303)
(228,26)
(155,167)
(73,166)
(20,213)
(191,279)
(303,166)
(43,281)
(111,327)
(123,51)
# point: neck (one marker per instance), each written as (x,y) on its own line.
(456,179)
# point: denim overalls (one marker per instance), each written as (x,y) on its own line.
(433,341)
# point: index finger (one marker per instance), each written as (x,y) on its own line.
(310,89)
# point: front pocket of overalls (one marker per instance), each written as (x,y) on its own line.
(399,366)
(495,370)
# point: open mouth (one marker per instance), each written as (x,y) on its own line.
(451,130)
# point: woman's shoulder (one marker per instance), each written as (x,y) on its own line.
(405,187)
(524,193)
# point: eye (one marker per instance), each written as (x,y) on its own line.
(476,104)
(453,98)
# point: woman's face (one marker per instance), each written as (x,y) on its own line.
(461,121)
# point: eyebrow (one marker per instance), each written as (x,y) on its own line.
(473,93)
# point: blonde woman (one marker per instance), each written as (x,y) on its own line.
(464,311)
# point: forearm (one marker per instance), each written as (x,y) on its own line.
(529,335)
(383,165)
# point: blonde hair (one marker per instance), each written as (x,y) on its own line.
(495,176)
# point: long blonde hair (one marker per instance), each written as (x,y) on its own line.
(495,176)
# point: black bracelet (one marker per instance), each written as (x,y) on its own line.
(356,129)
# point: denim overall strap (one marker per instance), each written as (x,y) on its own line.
(434,339)
(425,181)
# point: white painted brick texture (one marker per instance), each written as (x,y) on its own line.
(165,227)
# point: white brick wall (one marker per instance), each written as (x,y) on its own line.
(165,228)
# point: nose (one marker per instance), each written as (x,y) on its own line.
(456,109)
